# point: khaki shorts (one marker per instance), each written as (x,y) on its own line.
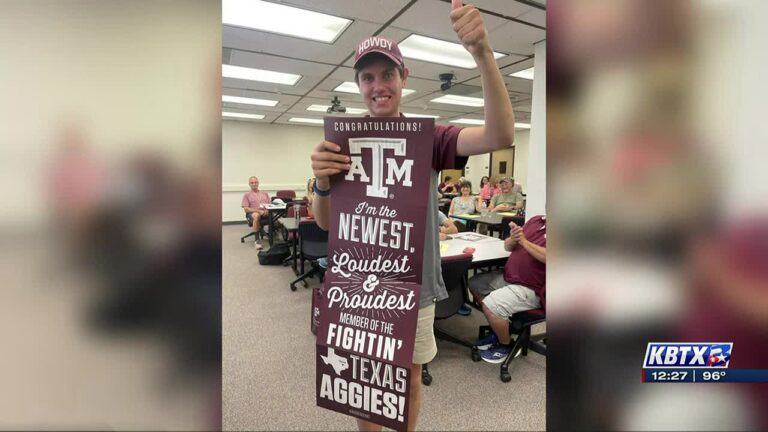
(511,299)
(425,347)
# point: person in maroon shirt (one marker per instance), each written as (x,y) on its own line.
(520,287)
(381,75)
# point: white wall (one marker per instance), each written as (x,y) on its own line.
(537,156)
(521,158)
(277,154)
(476,168)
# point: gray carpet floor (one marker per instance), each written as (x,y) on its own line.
(269,361)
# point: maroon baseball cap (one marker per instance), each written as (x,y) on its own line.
(381,45)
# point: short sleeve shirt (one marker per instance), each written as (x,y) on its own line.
(521,267)
(255,199)
(510,198)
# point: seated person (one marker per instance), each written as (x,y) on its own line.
(309,198)
(252,203)
(520,287)
(485,188)
(463,204)
(447,226)
(516,187)
(506,200)
(447,186)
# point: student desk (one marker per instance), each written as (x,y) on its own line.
(493,218)
(488,250)
(276,211)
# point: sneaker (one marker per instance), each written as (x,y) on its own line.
(258,246)
(486,342)
(496,353)
(464,310)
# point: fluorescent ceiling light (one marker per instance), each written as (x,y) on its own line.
(230,71)
(459,100)
(248,101)
(525,73)
(437,51)
(421,115)
(522,125)
(351,87)
(243,115)
(281,19)
(324,108)
(306,120)
(469,121)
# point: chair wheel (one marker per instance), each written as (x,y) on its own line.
(293,287)
(505,377)
(242,240)
(304,283)
(475,355)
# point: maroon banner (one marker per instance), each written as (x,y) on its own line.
(370,300)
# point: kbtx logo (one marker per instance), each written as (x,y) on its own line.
(394,172)
(688,355)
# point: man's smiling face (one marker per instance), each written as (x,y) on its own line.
(381,87)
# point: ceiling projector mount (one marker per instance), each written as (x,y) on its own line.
(336,106)
(446,79)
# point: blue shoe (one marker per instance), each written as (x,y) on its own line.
(496,353)
(464,310)
(487,342)
(323,262)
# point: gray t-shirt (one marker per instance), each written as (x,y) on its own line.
(444,156)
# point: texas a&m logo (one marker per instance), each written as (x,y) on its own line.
(381,148)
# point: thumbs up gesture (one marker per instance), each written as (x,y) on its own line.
(469,26)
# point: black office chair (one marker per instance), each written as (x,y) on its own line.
(264,222)
(313,244)
(454,269)
(520,325)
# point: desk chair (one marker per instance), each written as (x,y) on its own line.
(454,269)
(285,195)
(293,236)
(520,325)
(313,243)
(264,222)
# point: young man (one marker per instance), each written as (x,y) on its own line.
(520,287)
(252,204)
(381,75)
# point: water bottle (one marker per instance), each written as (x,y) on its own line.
(483,207)
(297,212)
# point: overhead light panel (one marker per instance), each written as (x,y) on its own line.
(469,121)
(324,108)
(248,101)
(525,73)
(421,115)
(438,51)
(281,19)
(522,125)
(243,115)
(351,87)
(459,100)
(240,72)
(306,120)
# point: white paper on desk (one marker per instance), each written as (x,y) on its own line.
(469,236)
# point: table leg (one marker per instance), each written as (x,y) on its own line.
(295,245)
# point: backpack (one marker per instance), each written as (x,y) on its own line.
(275,255)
